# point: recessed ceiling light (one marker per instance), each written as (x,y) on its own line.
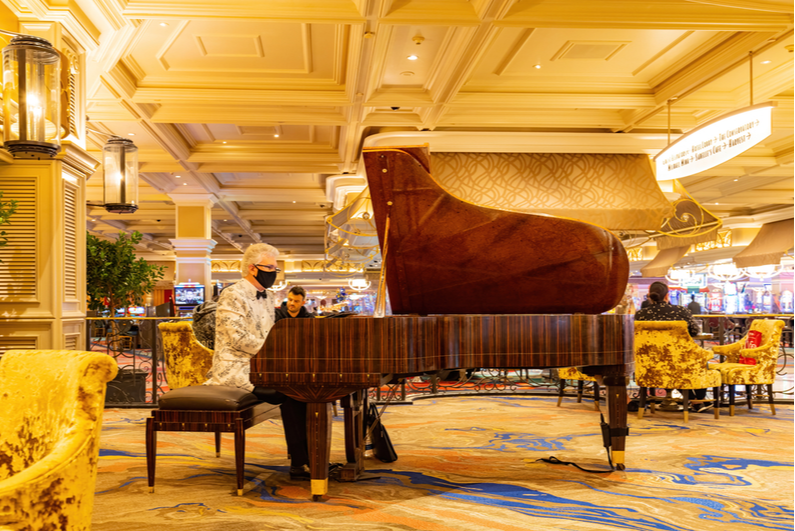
(765,62)
(226,220)
(293,201)
(537,67)
(737,179)
(412,57)
(131,134)
(184,184)
(178,176)
(164,24)
(224,142)
(276,136)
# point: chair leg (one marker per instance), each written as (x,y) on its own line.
(686,402)
(240,454)
(770,398)
(561,387)
(580,386)
(653,401)
(731,400)
(642,404)
(218,444)
(716,401)
(596,396)
(334,408)
(749,396)
(151,452)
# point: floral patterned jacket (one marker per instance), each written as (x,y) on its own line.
(242,323)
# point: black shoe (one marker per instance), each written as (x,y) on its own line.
(700,408)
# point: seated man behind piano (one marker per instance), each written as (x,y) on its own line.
(244,317)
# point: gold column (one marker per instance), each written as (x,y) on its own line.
(193,243)
(42,274)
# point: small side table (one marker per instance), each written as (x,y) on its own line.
(702,338)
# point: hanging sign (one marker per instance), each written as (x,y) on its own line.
(715,142)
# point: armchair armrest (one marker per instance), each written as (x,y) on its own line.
(758,352)
(731,351)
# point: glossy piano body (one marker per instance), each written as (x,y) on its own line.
(487,289)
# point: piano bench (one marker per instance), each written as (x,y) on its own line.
(210,408)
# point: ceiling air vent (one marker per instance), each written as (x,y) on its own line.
(604,50)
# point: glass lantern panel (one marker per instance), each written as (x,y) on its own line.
(120,165)
(30,100)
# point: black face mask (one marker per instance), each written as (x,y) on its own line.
(266,279)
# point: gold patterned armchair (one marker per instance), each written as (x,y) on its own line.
(667,357)
(51,404)
(571,373)
(763,373)
(187,361)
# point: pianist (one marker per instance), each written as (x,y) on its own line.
(244,317)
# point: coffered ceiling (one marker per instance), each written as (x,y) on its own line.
(258,102)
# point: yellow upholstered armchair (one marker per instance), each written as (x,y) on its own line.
(667,357)
(763,373)
(571,373)
(187,360)
(51,404)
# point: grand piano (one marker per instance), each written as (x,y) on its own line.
(469,286)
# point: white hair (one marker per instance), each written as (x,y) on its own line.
(255,253)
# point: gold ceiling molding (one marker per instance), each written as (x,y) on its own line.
(635,254)
(323,266)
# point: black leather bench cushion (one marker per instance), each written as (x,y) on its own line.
(207,398)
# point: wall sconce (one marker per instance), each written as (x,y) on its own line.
(31,92)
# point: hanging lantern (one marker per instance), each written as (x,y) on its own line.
(120,164)
(31,89)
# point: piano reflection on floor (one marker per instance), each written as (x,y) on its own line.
(444,256)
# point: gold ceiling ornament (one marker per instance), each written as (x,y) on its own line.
(724,239)
(635,254)
(691,223)
(225,266)
(330,266)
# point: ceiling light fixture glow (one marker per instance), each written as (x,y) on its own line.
(184,184)
(178,176)
(412,57)
(164,24)
(276,136)
(131,134)
(765,62)
(537,67)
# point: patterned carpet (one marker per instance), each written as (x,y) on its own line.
(468,463)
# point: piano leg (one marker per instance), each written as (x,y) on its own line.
(353,407)
(617,416)
(318,420)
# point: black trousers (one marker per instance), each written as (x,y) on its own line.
(294,421)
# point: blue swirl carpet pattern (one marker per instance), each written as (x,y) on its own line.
(467,464)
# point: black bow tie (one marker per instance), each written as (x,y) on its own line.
(262,294)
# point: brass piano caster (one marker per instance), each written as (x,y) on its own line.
(620,466)
(316,497)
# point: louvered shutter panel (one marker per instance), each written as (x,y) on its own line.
(17,343)
(70,241)
(18,267)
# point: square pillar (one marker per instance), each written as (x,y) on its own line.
(193,244)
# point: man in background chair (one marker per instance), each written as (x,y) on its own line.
(660,309)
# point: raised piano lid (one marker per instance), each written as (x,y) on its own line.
(446,255)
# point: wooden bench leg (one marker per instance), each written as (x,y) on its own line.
(580,386)
(240,454)
(561,387)
(731,400)
(716,401)
(749,396)
(217,444)
(151,452)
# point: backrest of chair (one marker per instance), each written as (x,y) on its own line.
(187,360)
(666,356)
(771,338)
(49,398)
